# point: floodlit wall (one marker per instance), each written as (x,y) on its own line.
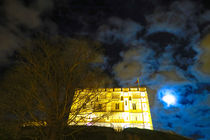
(113,107)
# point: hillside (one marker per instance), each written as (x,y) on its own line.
(98,133)
(101,133)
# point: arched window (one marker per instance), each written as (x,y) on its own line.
(134,106)
(121,98)
(117,106)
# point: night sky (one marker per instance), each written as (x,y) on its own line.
(164,43)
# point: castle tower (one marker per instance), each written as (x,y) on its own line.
(113,107)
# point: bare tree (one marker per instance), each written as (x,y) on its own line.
(40,87)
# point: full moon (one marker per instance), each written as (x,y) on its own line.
(169,99)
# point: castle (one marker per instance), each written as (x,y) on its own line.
(118,108)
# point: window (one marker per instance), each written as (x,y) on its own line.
(107,118)
(134,106)
(126,103)
(144,105)
(84,105)
(143,99)
(117,106)
(99,106)
(121,98)
(130,98)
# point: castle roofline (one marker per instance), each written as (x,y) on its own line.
(116,89)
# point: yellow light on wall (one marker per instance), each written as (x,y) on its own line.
(123,108)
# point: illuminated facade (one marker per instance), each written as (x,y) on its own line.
(121,107)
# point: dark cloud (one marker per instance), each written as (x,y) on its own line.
(19,20)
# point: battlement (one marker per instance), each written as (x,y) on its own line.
(141,89)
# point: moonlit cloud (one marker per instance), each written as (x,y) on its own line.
(205,17)
(167,54)
(130,67)
(175,20)
(204,65)
(17,13)
(8,41)
(192,110)
(166,22)
(119,30)
(127,70)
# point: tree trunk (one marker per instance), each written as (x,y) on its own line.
(53,132)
